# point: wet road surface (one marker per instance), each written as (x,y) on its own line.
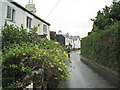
(84,77)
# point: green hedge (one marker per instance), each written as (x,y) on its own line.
(102,46)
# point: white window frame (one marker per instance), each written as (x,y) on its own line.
(28,22)
(44,29)
(12,14)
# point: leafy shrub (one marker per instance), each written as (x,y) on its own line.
(23,51)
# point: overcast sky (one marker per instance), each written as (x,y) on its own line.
(72,16)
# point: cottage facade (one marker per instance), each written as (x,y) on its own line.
(75,41)
(14,13)
(68,41)
(65,39)
(43,27)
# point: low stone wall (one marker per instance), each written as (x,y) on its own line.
(105,72)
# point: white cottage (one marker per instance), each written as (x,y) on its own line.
(15,14)
(67,40)
(76,41)
(42,26)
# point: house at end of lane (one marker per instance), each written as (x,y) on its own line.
(66,39)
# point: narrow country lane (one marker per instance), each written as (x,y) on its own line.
(84,77)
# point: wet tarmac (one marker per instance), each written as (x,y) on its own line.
(82,76)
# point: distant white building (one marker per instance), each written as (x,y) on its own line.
(68,41)
(74,41)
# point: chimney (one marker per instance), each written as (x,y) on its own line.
(59,32)
(31,7)
(67,34)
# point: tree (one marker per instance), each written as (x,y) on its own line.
(107,16)
(115,11)
(102,19)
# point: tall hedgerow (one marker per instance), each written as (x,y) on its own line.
(103,42)
(103,46)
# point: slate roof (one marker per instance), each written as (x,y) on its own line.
(71,37)
(74,38)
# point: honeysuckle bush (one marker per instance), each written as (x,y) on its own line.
(24,51)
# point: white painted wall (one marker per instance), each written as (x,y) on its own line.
(20,18)
(74,43)
(1,18)
(1,15)
(77,43)
(68,40)
(20,15)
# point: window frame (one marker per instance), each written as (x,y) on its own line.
(10,13)
(44,29)
(29,22)
(13,15)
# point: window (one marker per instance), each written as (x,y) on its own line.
(10,13)
(13,15)
(29,22)
(44,29)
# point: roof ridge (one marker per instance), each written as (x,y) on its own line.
(23,8)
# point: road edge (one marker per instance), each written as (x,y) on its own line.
(107,74)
